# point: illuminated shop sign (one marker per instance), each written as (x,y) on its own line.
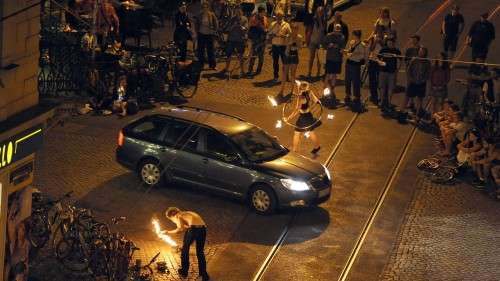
(20,146)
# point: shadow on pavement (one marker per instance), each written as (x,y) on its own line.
(266,84)
(265,230)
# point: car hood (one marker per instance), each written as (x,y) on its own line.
(293,165)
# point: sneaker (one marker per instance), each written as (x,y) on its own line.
(478,184)
(182,273)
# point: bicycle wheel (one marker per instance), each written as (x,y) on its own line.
(443,175)
(71,254)
(38,231)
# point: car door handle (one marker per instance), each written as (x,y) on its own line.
(205,161)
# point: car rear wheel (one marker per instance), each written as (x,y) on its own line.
(263,200)
(150,172)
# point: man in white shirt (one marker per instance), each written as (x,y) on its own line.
(278,33)
(195,230)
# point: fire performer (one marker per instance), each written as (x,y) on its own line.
(195,230)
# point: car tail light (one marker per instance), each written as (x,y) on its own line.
(121,138)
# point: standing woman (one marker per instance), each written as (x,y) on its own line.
(386,24)
(316,38)
(295,42)
(306,123)
(440,77)
(310,8)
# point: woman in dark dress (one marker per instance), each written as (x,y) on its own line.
(306,122)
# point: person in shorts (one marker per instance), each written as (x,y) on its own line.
(417,74)
(334,44)
(439,79)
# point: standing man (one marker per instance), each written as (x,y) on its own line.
(236,39)
(257,35)
(356,56)
(334,44)
(481,34)
(451,28)
(412,50)
(417,73)
(195,230)
(182,32)
(206,27)
(388,57)
(278,33)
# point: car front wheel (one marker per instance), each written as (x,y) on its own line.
(150,172)
(263,200)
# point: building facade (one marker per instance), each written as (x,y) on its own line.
(22,123)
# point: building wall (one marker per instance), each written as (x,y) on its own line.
(19,33)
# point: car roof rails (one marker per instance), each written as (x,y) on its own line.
(211,111)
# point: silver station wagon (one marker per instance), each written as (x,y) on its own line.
(223,154)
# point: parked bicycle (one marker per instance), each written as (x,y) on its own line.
(45,214)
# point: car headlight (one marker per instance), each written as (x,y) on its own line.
(327,172)
(295,185)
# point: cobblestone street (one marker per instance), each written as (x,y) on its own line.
(440,232)
(449,233)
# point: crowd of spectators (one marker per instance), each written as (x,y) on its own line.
(251,26)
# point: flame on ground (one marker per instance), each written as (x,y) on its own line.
(161,233)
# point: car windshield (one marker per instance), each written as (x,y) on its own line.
(259,146)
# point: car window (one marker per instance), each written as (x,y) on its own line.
(182,135)
(150,129)
(218,146)
(258,145)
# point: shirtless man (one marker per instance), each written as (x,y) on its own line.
(195,230)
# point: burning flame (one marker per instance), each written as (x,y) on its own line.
(273,101)
(330,116)
(326,92)
(279,124)
(161,233)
